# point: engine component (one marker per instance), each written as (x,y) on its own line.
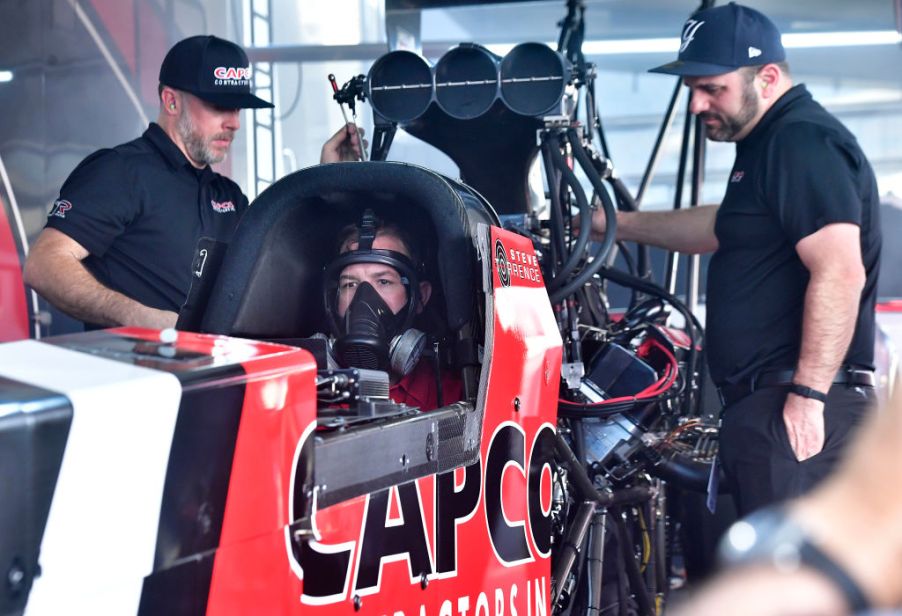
(400,86)
(533,79)
(616,372)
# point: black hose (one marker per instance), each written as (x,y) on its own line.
(571,548)
(577,282)
(557,223)
(627,258)
(683,471)
(577,475)
(556,291)
(631,205)
(637,584)
(610,212)
(594,304)
(595,558)
(585,224)
(624,195)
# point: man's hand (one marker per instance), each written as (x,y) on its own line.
(55,270)
(804,421)
(153,318)
(344,145)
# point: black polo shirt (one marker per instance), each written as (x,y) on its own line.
(139,209)
(796,172)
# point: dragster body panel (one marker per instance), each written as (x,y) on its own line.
(188,480)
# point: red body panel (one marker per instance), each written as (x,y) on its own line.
(250,573)
(14,324)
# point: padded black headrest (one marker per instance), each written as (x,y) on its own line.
(270,281)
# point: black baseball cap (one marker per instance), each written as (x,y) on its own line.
(723,38)
(212,69)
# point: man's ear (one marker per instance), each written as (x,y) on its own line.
(770,77)
(425,294)
(169,100)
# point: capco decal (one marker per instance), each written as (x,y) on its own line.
(332,572)
(231,75)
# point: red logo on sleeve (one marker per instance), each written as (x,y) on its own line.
(60,207)
(222,208)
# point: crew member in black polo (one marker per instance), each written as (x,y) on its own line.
(119,242)
(796,242)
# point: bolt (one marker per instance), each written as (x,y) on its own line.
(517,404)
(430,446)
(424,581)
(204,518)
(15,577)
(357,603)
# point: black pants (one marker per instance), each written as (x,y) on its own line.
(756,454)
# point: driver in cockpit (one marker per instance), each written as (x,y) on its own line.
(374,290)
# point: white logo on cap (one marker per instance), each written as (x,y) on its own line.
(689,31)
(754,52)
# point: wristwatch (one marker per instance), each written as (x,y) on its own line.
(807,392)
(770,537)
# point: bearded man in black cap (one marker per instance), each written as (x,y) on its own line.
(119,241)
(796,241)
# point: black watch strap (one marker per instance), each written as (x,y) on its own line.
(807,392)
(812,556)
(776,540)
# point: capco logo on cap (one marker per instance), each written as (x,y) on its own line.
(231,75)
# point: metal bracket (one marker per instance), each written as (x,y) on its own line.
(573,374)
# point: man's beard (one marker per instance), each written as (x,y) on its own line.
(730,126)
(199,149)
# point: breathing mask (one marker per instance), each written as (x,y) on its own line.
(369,334)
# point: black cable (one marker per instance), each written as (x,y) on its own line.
(596,309)
(596,125)
(582,411)
(575,410)
(626,280)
